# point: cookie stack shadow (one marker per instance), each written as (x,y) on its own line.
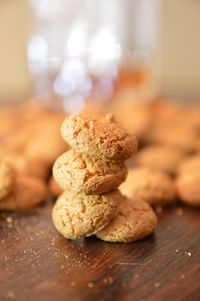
(90,174)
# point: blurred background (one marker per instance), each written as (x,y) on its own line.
(157,41)
(136,58)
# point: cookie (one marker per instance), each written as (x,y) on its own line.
(135,118)
(189,164)
(28,192)
(47,144)
(151,185)
(80,173)
(102,138)
(7,179)
(167,112)
(76,215)
(54,188)
(177,136)
(34,167)
(8,122)
(159,156)
(193,117)
(135,220)
(17,141)
(188,187)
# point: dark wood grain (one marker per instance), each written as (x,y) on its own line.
(38,264)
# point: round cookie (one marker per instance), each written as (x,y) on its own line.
(54,188)
(17,141)
(8,122)
(28,192)
(47,144)
(167,112)
(34,167)
(7,179)
(159,156)
(188,187)
(178,136)
(151,185)
(134,117)
(135,220)
(99,137)
(76,215)
(80,173)
(193,117)
(189,164)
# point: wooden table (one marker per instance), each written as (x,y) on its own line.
(36,263)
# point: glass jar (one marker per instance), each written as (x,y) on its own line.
(82,52)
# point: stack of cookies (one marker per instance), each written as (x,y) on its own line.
(90,174)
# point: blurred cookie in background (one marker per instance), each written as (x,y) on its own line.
(7,179)
(135,118)
(167,111)
(189,164)
(188,187)
(27,192)
(34,167)
(162,157)
(177,136)
(9,122)
(47,143)
(148,184)
(54,188)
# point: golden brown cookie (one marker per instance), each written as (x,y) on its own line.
(99,137)
(168,111)
(188,187)
(54,188)
(135,220)
(193,117)
(28,192)
(47,144)
(8,121)
(80,173)
(7,179)
(76,215)
(18,139)
(135,118)
(189,164)
(34,112)
(151,185)
(159,156)
(34,167)
(178,136)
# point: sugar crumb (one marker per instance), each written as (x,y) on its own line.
(188,253)
(157,284)
(108,280)
(179,211)
(11,294)
(9,219)
(72,283)
(90,284)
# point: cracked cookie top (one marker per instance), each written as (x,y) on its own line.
(80,173)
(76,215)
(99,137)
(135,220)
